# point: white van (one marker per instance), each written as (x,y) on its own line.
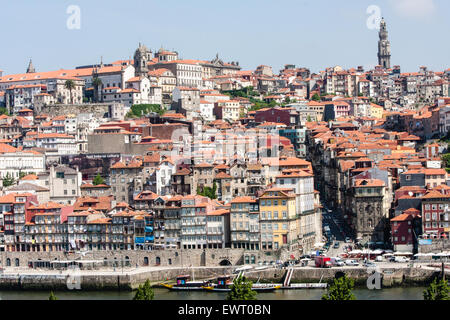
(401,259)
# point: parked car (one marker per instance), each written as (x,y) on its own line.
(351,263)
(337,262)
(336,245)
(347,240)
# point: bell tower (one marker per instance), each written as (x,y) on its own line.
(142,56)
(384,47)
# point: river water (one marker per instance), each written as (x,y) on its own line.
(410,293)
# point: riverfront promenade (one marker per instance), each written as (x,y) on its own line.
(130,277)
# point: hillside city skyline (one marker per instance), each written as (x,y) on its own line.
(311,47)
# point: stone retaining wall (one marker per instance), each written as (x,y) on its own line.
(126,281)
(174,258)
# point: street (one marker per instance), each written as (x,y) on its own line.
(334,231)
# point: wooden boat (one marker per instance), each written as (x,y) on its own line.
(183,283)
(224,284)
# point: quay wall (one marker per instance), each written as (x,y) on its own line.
(131,280)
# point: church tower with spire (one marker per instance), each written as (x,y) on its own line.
(142,56)
(384,47)
(30,68)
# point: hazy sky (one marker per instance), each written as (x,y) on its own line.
(313,34)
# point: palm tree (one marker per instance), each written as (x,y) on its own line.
(70,85)
(96,83)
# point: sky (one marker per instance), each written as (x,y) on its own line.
(308,33)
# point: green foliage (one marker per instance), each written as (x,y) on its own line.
(98,180)
(208,191)
(446,160)
(341,289)
(243,93)
(8,180)
(52,296)
(315,97)
(70,85)
(308,118)
(22,174)
(241,289)
(96,82)
(438,290)
(3,110)
(138,110)
(144,292)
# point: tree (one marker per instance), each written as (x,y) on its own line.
(308,118)
(3,110)
(98,180)
(52,296)
(138,110)
(438,290)
(315,97)
(144,292)
(341,289)
(70,85)
(241,289)
(8,180)
(208,191)
(96,83)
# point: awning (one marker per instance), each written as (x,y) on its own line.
(402,253)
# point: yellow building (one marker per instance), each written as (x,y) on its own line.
(277,218)
(376,111)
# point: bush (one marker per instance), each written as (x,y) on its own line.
(341,289)
(144,292)
(138,110)
(241,289)
(438,290)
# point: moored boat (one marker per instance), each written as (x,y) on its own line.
(224,284)
(183,283)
